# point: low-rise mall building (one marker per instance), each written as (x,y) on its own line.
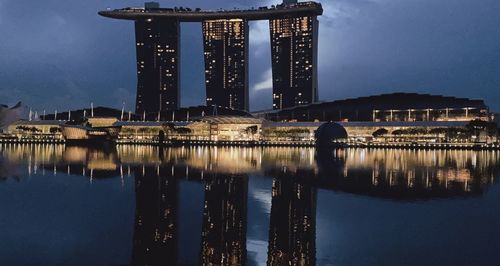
(392,118)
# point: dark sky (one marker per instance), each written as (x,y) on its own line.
(60,54)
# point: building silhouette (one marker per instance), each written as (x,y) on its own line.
(157,46)
(294,37)
(226,62)
(393,107)
(294,42)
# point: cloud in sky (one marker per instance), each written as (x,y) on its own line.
(64,54)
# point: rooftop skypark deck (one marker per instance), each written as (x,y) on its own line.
(198,15)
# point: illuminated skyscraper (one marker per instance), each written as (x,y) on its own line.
(158,65)
(294,43)
(226,62)
(294,34)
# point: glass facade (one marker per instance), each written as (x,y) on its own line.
(294,43)
(158,65)
(226,63)
(294,35)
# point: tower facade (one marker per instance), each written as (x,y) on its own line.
(294,43)
(158,65)
(226,62)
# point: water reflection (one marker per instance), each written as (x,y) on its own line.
(394,174)
(292,231)
(155,238)
(225,220)
(296,176)
(408,175)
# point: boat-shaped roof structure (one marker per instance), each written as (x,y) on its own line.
(197,15)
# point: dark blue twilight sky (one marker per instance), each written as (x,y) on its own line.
(60,54)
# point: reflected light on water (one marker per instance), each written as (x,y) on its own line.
(224,174)
(460,171)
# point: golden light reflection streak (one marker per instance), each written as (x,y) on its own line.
(443,166)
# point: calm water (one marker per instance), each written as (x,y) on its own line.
(143,206)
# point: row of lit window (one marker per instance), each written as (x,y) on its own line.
(166,51)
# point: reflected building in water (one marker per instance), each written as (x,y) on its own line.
(297,174)
(396,174)
(292,230)
(225,220)
(155,238)
(409,174)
